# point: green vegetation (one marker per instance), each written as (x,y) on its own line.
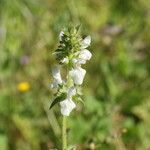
(116,110)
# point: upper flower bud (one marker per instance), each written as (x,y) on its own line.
(69,44)
(61,35)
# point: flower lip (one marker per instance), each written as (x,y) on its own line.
(77,74)
(86,42)
(85,54)
(67,106)
(56,75)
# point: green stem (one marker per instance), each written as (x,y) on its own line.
(64,133)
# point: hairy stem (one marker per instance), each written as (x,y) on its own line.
(64,133)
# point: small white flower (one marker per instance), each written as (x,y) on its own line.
(67,106)
(60,35)
(86,42)
(56,75)
(85,54)
(77,75)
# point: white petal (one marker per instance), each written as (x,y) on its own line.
(78,62)
(67,106)
(56,75)
(85,54)
(77,75)
(71,92)
(60,35)
(86,42)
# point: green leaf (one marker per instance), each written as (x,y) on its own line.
(3,142)
(58,99)
(78,27)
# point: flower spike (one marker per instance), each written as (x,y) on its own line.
(71,53)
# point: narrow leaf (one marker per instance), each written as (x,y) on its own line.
(78,27)
(58,99)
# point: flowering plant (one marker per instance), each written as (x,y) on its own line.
(71,53)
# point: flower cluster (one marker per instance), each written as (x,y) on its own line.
(71,53)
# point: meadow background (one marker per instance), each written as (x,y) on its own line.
(116,112)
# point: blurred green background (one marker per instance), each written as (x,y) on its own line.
(116,113)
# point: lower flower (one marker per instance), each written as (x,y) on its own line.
(67,106)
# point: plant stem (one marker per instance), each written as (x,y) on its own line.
(64,133)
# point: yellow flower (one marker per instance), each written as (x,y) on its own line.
(23,86)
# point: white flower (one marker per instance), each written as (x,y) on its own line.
(77,74)
(67,106)
(60,35)
(86,42)
(57,77)
(85,54)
